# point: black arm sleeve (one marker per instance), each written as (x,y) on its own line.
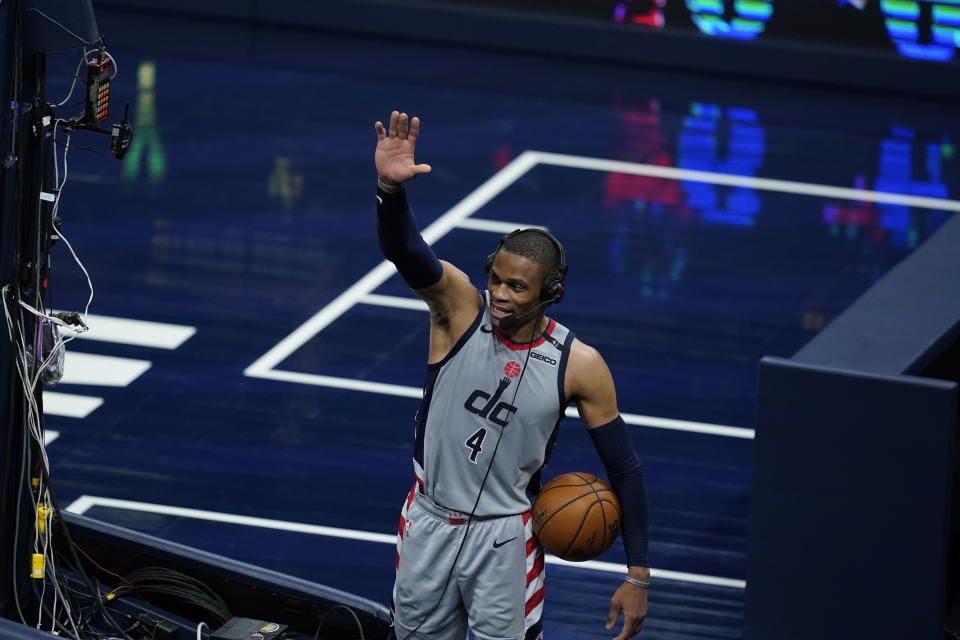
(401,242)
(625,472)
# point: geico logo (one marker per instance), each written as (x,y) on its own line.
(537,356)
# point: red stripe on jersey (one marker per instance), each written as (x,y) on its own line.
(536,570)
(531,545)
(526,517)
(534,600)
(413,490)
(520,346)
(397,565)
(403,522)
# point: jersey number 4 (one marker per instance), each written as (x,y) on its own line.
(475,443)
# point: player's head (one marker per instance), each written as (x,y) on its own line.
(527,269)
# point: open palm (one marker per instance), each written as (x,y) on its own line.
(394,154)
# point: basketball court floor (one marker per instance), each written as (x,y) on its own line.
(251,377)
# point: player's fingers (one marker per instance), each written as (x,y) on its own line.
(381,132)
(403,125)
(612,616)
(629,630)
(422,168)
(394,121)
(414,129)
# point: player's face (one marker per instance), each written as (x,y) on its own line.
(514,285)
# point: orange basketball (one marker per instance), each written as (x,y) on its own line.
(576,516)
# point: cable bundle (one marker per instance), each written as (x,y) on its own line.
(41,542)
(179,587)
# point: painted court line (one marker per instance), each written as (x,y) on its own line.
(728,179)
(342,383)
(104,371)
(84,503)
(395,301)
(140,333)
(416,392)
(496,226)
(50,436)
(383,271)
(69,405)
(459,217)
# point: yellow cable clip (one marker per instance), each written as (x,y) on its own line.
(37,569)
(43,512)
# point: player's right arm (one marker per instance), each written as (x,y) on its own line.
(452,299)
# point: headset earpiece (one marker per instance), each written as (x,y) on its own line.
(552,289)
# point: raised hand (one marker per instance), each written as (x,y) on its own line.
(394,154)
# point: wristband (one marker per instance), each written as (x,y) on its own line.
(634,581)
(388,188)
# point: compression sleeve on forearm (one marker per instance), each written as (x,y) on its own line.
(401,242)
(625,472)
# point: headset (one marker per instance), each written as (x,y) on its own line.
(552,288)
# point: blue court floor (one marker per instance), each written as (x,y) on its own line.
(267,414)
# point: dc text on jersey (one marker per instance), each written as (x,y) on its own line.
(489,407)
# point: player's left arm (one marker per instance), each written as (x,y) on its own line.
(591,387)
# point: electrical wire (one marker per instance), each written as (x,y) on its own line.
(483,483)
(29,374)
(323,619)
(76,74)
(180,587)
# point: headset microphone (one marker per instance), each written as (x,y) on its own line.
(509,322)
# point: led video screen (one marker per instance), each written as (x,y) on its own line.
(919,29)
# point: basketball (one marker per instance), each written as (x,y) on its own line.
(576,516)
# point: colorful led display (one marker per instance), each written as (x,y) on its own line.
(920,29)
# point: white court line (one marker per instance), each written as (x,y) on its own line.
(141,333)
(382,272)
(104,371)
(496,226)
(678,425)
(50,436)
(417,392)
(342,383)
(69,405)
(395,301)
(763,184)
(459,216)
(84,503)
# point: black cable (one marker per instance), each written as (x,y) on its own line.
(162,574)
(72,148)
(353,613)
(17,329)
(181,587)
(483,483)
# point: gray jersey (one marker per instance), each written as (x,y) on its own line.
(485,386)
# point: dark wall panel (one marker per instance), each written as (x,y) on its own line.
(850,505)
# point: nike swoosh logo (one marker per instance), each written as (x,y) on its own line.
(484,329)
(379,199)
(497,545)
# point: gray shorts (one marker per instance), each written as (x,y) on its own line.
(496,588)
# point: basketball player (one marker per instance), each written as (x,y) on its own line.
(499,376)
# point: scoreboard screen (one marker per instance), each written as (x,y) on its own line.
(918,29)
